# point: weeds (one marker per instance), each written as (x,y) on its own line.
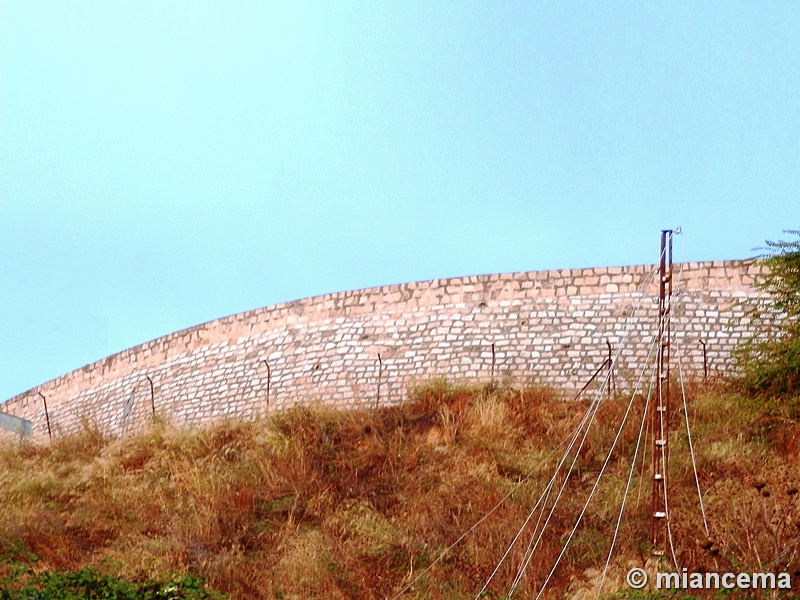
(315,503)
(769,365)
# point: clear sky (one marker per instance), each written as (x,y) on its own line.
(166,163)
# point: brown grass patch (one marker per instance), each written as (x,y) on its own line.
(315,503)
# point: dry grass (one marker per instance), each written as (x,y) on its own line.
(314,503)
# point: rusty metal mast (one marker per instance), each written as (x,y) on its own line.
(659,415)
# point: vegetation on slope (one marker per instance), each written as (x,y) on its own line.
(770,365)
(315,503)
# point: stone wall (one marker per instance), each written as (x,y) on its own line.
(548,326)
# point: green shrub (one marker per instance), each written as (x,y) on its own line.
(23,584)
(770,364)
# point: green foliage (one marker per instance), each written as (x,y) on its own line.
(771,367)
(22,583)
(783,280)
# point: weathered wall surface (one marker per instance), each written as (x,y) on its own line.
(551,326)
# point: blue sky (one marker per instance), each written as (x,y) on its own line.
(166,163)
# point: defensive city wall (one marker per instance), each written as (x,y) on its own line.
(367,347)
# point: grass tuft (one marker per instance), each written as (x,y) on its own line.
(318,503)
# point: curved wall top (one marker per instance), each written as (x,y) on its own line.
(551,326)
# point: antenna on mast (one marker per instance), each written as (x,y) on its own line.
(659,416)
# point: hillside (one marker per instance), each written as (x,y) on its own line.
(315,503)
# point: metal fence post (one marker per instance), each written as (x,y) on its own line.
(46,416)
(152,396)
(611,387)
(493,361)
(269,379)
(705,361)
(380,373)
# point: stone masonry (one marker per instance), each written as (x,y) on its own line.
(546,326)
